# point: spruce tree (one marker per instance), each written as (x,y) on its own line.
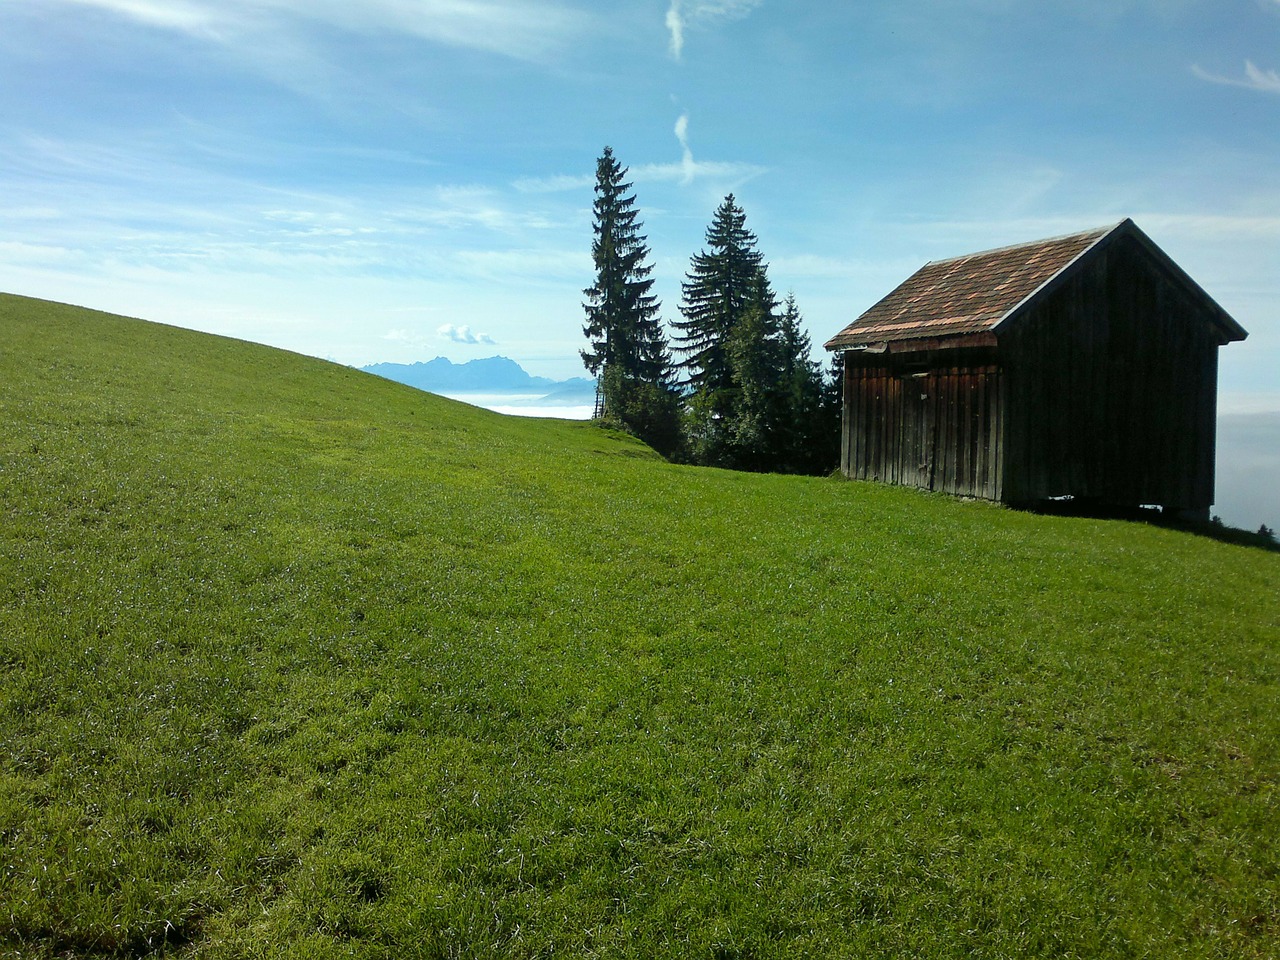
(832,413)
(756,398)
(755,429)
(628,353)
(801,387)
(723,282)
(622,327)
(717,291)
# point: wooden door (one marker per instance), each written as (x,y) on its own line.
(919,447)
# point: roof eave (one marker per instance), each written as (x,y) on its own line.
(949,341)
(1231,330)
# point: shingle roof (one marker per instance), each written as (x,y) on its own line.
(969,294)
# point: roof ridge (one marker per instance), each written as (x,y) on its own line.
(1096,238)
(978,293)
(1096,232)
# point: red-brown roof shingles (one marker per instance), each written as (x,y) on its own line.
(968,294)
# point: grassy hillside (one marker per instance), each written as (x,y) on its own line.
(295,661)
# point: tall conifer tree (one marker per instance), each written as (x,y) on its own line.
(832,414)
(622,327)
(726,282)
(756,425)
(628,352)
(717,291)
(755,395)
(805,446)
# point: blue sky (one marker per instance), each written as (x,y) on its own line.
(392,180)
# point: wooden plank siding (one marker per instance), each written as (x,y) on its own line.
(936,428)
(1083,366)
(1112,384)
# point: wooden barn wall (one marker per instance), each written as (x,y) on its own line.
(1112,389)
(932,425)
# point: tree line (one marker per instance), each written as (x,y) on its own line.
(736,385)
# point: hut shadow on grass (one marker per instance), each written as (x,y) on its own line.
(1213,528)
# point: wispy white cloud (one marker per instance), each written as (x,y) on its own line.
(557,184)
(188,16)
(675,25)
(701,169)
(513,28)
(400,335)
(686,159)
(463,334)
(683,14)
(88,211)
(1255,78)
(508,27)
(688,169)
(684,171)
(471,208)
(523,267)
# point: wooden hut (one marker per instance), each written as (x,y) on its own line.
(1083,366)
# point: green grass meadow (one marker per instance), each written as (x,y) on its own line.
(298,662)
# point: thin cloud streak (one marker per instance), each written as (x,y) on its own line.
(406,337)
(557,184)
(685,13)
(684,173)
(686,161)
(505,27)
(1255,78)
(101,227)
(675,24)
(194,18)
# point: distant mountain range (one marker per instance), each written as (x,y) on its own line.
(490,375)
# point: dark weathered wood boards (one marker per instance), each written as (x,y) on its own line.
(1082,366)
(933,428)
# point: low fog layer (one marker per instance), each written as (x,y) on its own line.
(1249,470)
